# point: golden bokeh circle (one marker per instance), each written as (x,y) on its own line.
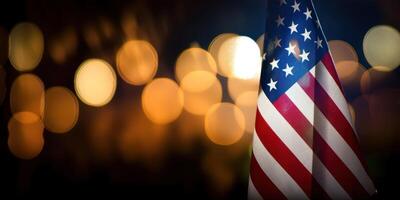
(201,90)
(162,101)
(224,124)
(247,102)
(342,51)
(25,139)
(26,46)
(236,86)
(381,46)
(347,70)
(137,62)
(240,57)
(27,94)
(194,59)
(215,47)
(374,77)
(61,110)
(95,82)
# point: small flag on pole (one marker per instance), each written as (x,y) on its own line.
(305,145)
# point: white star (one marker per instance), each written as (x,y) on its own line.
(272,85)
(308,14)
(288,70)
(282,2)
(277,42)
(293,28)
(304,56)
(274,64)
(296,6)
(290,49)
(319,43)
(279,21)
(306,34)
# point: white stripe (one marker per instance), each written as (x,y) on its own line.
(252,192)
(299,148)
(281,179)
(330,86)
(325,129)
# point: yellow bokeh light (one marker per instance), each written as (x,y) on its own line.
(224,124)
(201,90)
(61,110)
(137,62)
(240,57)
(247,102)
(236,86)
(374,77)
(25,139)
(27,94)
(215,47)
(95,82)
(350,74)
(194,59)
(26,45)
(381,46)
(162,101)
(342,51)
(347,70)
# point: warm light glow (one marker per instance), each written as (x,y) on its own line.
(347,70)
(61,110)
(247,102)
(240,57)
(95,82)
(162,101)
(236,86)
(201,90)
(194,59)
(342,51)
(381,46)
(374,78)
(350,73)
(27,94)
(26,45)
(137,62)
(25,135)
(139,139)
(224,124)
(215,47)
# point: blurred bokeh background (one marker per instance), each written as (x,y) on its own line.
(157,98)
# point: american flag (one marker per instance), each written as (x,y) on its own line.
(305,145)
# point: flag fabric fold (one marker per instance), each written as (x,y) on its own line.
(305,145)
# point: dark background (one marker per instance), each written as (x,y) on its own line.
(67,167)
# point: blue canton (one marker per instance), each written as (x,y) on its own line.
(294,44)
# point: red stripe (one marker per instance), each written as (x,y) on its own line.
(262,183)
(327,156)
(284,156)
(330,66)
(330,111)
